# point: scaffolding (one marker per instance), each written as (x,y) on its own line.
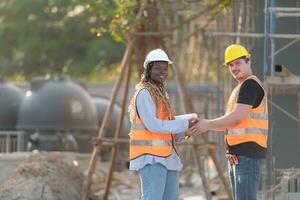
(277,79)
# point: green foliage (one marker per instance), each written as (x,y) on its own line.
(119,18)
(227,3)
(56,36)
(81,38)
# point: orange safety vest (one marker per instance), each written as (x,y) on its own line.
(254,128)
(143,141)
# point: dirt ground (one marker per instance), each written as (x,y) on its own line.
(43,176)
(60,176)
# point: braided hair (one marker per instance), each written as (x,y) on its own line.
(157,92)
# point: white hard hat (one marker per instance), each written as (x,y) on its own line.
(156,55)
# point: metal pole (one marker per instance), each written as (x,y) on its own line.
(240,21)
(266,65)
(254,35)
(282,14)
(266,38)
(273,104)
(284,9)
(271,157)
(286,46)
(272,31)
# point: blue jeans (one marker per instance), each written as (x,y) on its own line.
(159,183)
(245,177)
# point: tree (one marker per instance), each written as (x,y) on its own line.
(54,36)
(86,38)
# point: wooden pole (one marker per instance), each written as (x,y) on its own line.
(202,174)
(106,120)
(117,133)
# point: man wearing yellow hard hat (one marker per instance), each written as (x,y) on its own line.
(246,124)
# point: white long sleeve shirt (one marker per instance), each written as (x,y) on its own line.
(147,112)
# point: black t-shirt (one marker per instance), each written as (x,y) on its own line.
(251,93)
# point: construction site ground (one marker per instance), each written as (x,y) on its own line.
(18,169)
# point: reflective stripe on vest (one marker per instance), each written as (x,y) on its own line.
(151,143)
(143,141)
(254,128)
(248,130)
(258,116)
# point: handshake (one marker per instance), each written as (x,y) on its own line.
(196,127)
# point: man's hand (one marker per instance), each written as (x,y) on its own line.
(200,127)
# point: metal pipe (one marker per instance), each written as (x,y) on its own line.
(254,35)
(272,68)
(272,31)
(234,34)
(286,46)
(266,66)
(266,38)
(284,111)
(282,9)
(282,14)
(240,21)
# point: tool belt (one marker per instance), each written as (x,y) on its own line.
(233,159)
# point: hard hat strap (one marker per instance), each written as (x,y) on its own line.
(150,65)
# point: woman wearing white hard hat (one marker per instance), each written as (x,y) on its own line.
(155,130)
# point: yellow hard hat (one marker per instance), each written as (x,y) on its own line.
(234,52)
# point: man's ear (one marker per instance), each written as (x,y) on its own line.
(248,61)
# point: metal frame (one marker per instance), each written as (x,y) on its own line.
(12,139)
(269,36)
